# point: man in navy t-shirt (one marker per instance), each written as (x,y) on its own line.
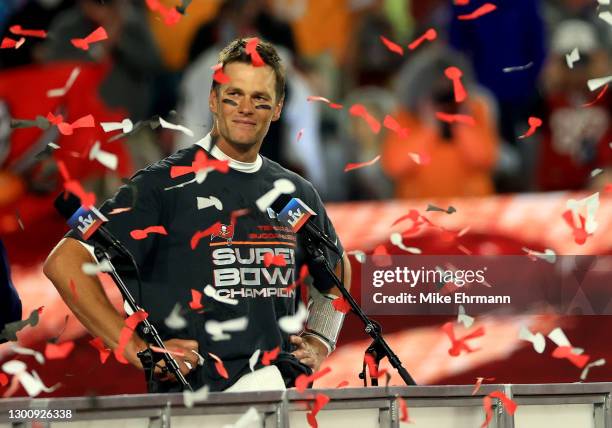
(222,257)
(10,305)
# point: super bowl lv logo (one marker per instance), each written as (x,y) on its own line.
(223,231)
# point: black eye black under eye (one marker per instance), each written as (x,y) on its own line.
(264,106)
(230,102)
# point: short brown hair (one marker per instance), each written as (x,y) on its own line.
(236,52)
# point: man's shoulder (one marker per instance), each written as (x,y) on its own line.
(160,171)
(276,170)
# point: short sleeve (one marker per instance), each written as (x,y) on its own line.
(143,196)
(321,280)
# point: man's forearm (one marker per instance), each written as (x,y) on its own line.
(88,301)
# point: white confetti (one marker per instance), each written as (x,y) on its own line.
(60,92)
(211,292)
(548,255)
(254,358)
(250,419)
(175,321)
(397,240)
(281,186)
(537,339)
(107,159)
(32,383)
(589,206)
(464,318)
(560,339)
(26,351)
(359,255)
(95,268)
(126,126)
(181,128)
(572,57)
(606,16)
(597,83)
(596,172)
(517,67)
(597,363)
(293,324)
(211,201)
(218,329)
(190,398)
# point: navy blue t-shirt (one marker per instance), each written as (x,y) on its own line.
(233,260)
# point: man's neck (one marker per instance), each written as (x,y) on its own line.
(237,152)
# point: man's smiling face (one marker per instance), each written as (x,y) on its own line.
(244,107)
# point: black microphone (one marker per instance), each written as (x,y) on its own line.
(295,213)
(88,223)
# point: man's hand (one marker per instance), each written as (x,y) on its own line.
(310,351)
(187,363)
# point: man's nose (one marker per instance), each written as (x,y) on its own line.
(245,106)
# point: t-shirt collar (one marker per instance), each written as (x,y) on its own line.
(248,167)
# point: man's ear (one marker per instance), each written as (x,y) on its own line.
(212,101)
(277,110)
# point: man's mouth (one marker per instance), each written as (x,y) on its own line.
(245,123)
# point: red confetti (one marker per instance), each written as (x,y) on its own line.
(97,35)
(219,366)
(251,49)
(175,352)
(195,239)
(87,199)
(17,30)
(534,123)
(317,98)
(393,47)
(341,305)
(461,2)
(269,356)
(68,128)
(454,74)
(579,360)
(139,234)
(58,352)
(352,166)
(3,379)
(391,124)
(479,381)
(403,410)
(270,259)
(336,106)
(608,188)
(430,35)
(372,367)
(200,163)
(130,324)
(482,10)
(119,210)
(380,256)
(412,215)
(579,231)
(343,384)
(303,274)
(459,118)
(104,352)
(321,401)
(508,404)
(359,110)
(219,76)
(302,381)
(196,300)
(599,96)
(169,14)
(8,43)
(459,345)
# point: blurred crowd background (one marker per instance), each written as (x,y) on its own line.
(513,63)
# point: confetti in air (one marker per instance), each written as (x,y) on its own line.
(352,166)
(534,123)
(139,234)
(536,339)
(572,57)
(19,31)
(302,381)
(479,381)
(517,67)
(98,35)
(482,10)
(464,318)
(430,35)
(170,15)
(459,345)
(359,110)
(393,47)
(458,118)
(251,49)
(597,83)
(487,404)
(548,255)
(60,92)
(293,324)
(455,74)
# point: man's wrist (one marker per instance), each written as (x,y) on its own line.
(320,340)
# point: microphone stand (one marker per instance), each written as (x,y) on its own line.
(379,348)
(147,331)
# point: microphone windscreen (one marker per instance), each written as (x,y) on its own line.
(67,204)
(280,203)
